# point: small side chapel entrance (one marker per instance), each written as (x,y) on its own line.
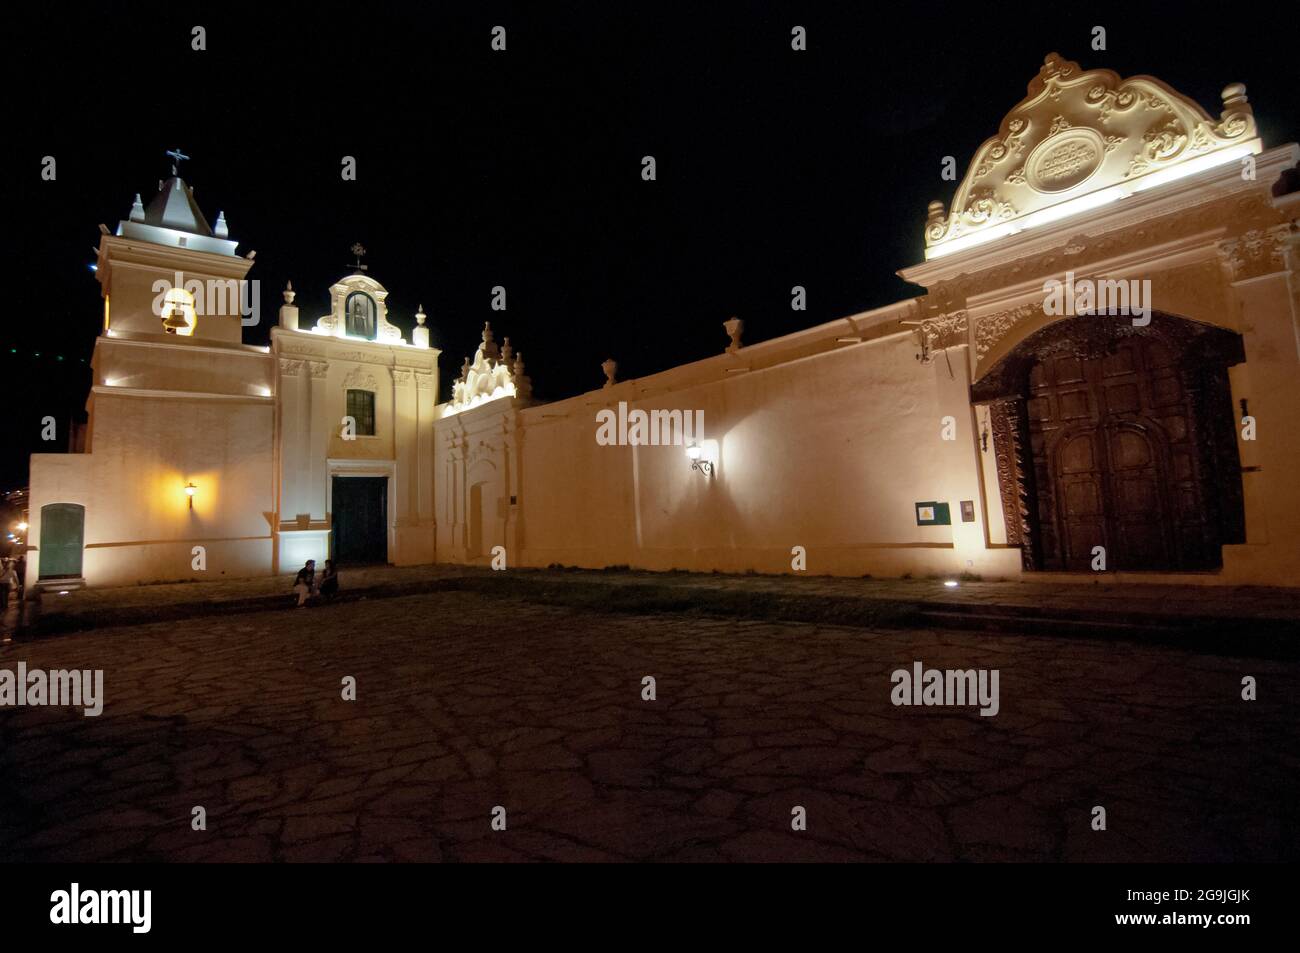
(62,535)
(360,520)
(1117,436)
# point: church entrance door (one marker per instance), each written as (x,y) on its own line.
(360,520)
(1107,433)
(1115,445)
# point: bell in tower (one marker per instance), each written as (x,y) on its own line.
(178,312)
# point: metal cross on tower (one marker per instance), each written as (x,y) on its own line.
(359,250)
(177,157)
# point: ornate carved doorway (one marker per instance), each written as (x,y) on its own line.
(1120,437)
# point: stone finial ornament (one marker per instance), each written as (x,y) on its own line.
(734,327)
(289,310)
(507,352)
(137,209)
(420,334)
(610,367)
(1234,99)
(523,386)
(221,229)
(489,347)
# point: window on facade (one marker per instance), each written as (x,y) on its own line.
(359,315)
(361,408)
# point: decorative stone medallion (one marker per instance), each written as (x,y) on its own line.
(1065,160)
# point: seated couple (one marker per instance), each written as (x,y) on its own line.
(304,584)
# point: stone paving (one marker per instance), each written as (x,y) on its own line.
(1253,622)
(1103,593)
(466,702)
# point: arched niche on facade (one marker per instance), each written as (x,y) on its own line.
(359,310)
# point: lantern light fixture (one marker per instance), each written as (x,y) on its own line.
(695,453)
(189,491)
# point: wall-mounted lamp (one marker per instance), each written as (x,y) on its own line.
(189,491)
(984,439)
(22,527)
(696,454)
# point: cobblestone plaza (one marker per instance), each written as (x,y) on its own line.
(465,703)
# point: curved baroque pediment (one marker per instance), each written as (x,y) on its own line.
(1078,133)
(335,323)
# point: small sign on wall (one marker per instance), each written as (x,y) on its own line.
(933,513)
(968,511)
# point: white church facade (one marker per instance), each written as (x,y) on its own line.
(205,456)
(1100,376)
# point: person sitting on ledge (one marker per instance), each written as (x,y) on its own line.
(329,580)
(305,582)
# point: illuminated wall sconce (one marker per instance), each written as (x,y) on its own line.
(189,491)
(696,455)
(22,527)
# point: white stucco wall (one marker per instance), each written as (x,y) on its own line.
(827,450)
(139,526)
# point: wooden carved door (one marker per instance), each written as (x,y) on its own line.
(1116,463)
(1136,501)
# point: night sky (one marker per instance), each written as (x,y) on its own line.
(522,168)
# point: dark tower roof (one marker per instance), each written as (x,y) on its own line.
(174,207)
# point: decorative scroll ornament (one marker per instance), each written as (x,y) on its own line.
(992,328)
(359,379)
(944,331)
(1077,133)
(494,373)
(1258,252)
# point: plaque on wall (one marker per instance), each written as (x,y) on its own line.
(968,511)
(933,513)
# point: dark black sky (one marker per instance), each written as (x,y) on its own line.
(522,169)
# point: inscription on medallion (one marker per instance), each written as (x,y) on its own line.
(1064,160)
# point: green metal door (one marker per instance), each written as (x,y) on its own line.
(360,520)
(62,531)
